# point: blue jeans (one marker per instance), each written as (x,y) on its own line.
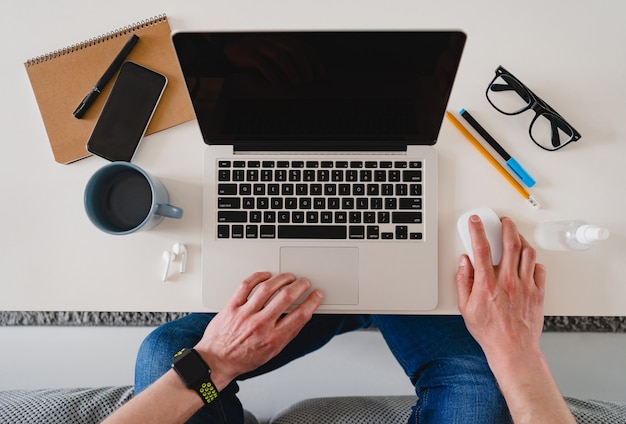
(451,376)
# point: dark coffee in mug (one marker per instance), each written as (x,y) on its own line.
(126,200)
(121,198)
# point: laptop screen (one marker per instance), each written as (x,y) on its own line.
(324,90)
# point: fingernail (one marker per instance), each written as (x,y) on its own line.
(475,218)
(463,261)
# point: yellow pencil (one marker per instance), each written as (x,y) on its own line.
(492,160)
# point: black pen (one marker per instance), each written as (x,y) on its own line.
(510,161)
(106,77)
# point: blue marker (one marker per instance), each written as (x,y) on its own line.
(511,162)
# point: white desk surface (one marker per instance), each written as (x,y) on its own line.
(569,52)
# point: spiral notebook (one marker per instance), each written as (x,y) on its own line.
(62,78)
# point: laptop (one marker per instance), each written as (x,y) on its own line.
(320,160)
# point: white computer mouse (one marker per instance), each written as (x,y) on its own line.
(493,230)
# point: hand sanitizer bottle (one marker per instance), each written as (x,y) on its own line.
(569,235)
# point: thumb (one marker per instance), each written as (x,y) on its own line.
(464,280)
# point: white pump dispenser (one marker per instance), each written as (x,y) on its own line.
(569,235)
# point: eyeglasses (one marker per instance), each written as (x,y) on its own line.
(548,129)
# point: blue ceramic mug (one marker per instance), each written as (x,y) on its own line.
(121,198)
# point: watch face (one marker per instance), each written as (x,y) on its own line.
(191,367)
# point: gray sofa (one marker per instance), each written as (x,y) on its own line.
(92,405)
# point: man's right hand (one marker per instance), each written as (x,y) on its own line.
(255,325)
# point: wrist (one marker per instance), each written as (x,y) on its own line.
(219,373)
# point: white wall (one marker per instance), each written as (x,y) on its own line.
(584,365)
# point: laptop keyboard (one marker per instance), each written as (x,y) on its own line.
(318,199)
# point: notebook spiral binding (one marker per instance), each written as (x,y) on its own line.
(128,29)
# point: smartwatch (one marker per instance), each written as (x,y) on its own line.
(195,373)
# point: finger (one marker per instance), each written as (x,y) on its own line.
(464,280)
(540,277)
(264,292)
(480,245)
(511,246)
(247,286)
(286,298)
(527,261)
(293,322)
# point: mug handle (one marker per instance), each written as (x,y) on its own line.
(169,211)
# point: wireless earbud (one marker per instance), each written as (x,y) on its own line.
(170,256)
(180,250)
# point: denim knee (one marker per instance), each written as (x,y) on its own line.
(154,357)
(459,389)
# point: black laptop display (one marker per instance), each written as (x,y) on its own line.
(320,90)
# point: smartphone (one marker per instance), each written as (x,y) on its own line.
(126,112)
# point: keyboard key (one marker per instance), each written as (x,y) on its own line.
(269,217)
(410,203)
(373,232)
(267,231)
(237,231)
(252,231)
(357,232)
(312,217)
(232,216)
(412,176)
(227,189)
(228,202)
(402,232)
(337,175)
(406,217)
(297,217)
(312,232)
(354,217)
(223,231)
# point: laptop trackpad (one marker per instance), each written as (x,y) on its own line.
(334,270)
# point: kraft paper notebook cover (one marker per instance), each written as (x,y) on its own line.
(61,79)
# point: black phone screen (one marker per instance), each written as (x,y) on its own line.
(126,113)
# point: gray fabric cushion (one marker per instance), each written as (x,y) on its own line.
(597,411)
(347,410)
(396,409)
(67,406)
(61,406)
